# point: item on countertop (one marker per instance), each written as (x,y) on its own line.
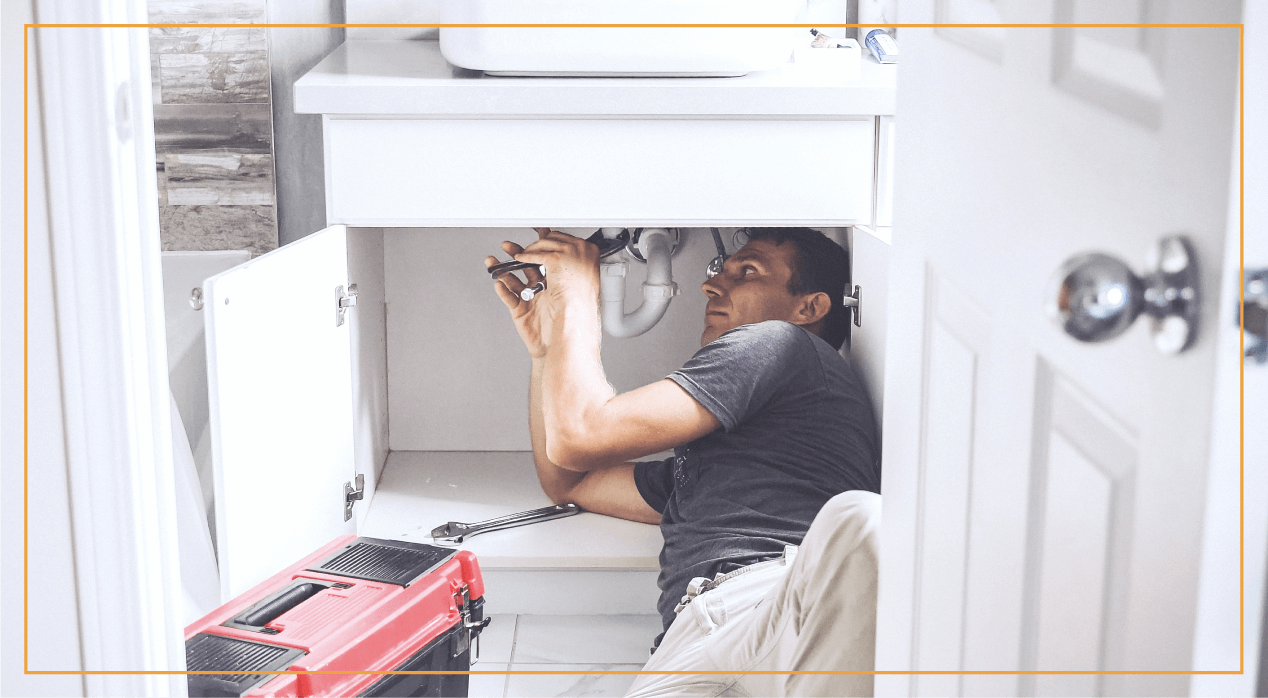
(883,47)
(822,40)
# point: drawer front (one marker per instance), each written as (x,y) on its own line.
(397,172)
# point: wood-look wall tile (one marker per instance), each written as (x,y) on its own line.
(206,11)
(201,78)
(156,84)
(161,169)
(218,228)
(240,128)
(218,178)
(190,38)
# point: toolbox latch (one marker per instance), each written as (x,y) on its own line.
(462,640)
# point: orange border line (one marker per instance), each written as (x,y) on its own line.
(26,353)
(1241,323)
(25,42)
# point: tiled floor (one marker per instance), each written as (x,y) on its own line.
(562,643)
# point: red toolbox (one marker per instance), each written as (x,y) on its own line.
(357,604)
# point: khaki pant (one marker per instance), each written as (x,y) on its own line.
(812,611)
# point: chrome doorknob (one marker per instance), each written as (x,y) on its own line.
(1095,297)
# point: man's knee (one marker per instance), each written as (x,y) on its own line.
(849,521)
(855,507)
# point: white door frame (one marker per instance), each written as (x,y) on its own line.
(1223,606)
(93,95)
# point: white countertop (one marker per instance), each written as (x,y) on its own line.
(420,490)
(412,78)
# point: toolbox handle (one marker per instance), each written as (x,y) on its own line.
(261,614)
(287,600)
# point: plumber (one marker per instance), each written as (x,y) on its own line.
(769,508)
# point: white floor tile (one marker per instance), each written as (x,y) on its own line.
(606,639)
(487,685)
(540,685)
(497,639)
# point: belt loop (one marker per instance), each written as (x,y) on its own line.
(790,554)
(695,587)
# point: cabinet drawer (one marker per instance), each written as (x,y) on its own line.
(489,172)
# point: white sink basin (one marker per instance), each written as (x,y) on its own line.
(617,51)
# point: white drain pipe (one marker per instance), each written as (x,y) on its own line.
(655,245)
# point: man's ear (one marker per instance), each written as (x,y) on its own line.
(813,308)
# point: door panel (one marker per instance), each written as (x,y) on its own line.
(1117,69)
(279,374)
(953,356)
(1071,592)
(1081,495)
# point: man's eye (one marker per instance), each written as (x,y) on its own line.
(744,271)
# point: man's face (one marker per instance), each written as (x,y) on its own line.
(753,287)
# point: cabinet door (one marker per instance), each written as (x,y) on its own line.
(280,390)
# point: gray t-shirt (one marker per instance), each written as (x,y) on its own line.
(797,429)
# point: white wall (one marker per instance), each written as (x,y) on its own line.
(300,182)
(392,12)
(1220,601)
(457,371)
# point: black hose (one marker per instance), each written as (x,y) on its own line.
(717,241)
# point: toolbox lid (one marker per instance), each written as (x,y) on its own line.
(387,561)
(208,652)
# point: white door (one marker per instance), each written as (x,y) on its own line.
(1044,497)
(280,387)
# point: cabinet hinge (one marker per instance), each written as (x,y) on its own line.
(351,495)
(343,301)
(854,303)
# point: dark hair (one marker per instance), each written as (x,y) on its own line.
(820,265)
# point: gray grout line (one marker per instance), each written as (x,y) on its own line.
(506,680)
(515,636)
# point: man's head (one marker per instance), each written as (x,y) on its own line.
(793,274)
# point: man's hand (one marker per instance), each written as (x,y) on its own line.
(572,266)
(530,317)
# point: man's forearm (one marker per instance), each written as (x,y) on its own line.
(556,482)
(574,387)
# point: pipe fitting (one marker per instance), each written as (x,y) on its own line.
(659,289)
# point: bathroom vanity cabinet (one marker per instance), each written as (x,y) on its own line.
(300,440)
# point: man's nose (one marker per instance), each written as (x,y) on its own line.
(709,289)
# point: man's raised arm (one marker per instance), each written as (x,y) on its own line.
(609,490)
(587,426)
